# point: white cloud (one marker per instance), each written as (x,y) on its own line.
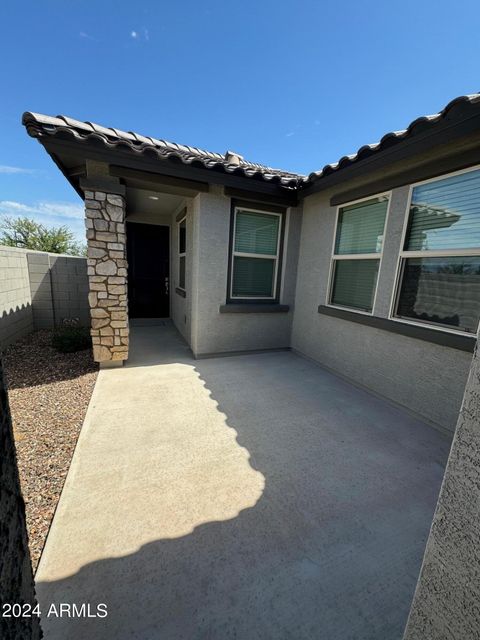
(87,36)
(290,134)
(52,209)
(11,170)
(142,35)
(49,213)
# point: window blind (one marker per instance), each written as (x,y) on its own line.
(354,283)
(442,291)
(255,254)
(445,214)
(444,217)
(360,227)
(253,277)
(256,233)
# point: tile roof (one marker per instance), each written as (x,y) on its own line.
(419,125)
(41,126)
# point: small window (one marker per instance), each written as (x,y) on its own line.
(182,249)
(255,255)
(440,261)
(357,253)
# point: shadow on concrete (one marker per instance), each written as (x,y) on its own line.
(331,550)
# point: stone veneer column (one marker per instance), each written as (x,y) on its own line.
(107,275)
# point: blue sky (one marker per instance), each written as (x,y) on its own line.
(292,84)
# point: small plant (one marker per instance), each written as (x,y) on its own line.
(71,336)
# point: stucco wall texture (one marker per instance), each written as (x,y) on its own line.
(426,378)
(214,332)
(16,578)
(446,602)
(38,290)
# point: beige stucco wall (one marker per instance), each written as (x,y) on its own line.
(448,590)
(215,332)
(427,378)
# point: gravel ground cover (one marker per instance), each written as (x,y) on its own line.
(49,394)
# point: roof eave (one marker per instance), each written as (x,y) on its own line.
(450,119)
(444,133)
(58,146)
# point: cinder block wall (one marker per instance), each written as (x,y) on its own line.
(16,317)
(59,288)
(38,290)
(69,288)
(15,568)
(38,268)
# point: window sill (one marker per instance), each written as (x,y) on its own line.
(254,308)
(181,292)
(443,338)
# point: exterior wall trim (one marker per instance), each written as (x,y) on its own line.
(443,338)
(254,308)
(228,354)
(289,200)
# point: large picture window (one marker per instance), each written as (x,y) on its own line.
(439,281)
(357,253)
(255,255)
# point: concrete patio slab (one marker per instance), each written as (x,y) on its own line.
(245,497)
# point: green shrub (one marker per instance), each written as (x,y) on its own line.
(68,339)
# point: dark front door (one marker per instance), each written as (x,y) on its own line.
(148,270)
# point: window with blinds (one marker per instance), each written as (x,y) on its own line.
(255,254)
(440,261)
(357,253)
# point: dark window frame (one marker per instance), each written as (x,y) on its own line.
(260,208)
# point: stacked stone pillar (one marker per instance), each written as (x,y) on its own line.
(107,274)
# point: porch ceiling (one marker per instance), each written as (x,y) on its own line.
(151,202)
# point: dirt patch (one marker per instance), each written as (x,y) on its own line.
(49,394)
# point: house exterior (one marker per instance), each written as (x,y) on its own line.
(371,266)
